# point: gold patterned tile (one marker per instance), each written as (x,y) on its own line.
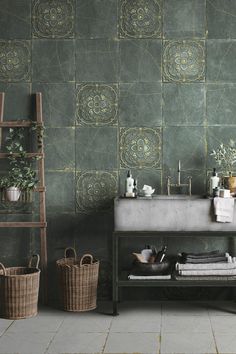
(184,61)
(97,104)
(140,18)
(140,147)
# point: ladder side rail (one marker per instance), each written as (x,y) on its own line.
(42,199)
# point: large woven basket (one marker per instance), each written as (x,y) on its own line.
(19,288)
(78,281)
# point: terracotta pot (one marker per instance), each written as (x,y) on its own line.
(230,183)
(13,194)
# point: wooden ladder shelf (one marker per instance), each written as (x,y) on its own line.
(42,224)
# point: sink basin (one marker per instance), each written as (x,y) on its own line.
(176,212)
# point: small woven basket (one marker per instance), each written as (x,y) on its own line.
(19,289)
(78,281)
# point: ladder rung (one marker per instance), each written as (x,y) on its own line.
(22,224)
(28,154)
(18,123)
(39,189)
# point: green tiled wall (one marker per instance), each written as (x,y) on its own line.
(126,84)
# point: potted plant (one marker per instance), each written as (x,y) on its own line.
(225,156)
(21,175)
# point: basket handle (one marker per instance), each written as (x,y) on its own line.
(87,255)
(3,268)
(36,256)
(70,249)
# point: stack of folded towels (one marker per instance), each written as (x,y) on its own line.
(206,266)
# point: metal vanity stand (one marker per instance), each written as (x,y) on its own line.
(131,216)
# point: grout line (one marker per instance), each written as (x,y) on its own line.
(7,328)
(108,332)
(55,333)
(213,332)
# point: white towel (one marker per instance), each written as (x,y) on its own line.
(224,209)
(206,266)
(208,272)
(149,277)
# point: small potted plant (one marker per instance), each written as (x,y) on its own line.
(225,157)
(21,175)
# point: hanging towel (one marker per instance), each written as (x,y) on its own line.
(224,209)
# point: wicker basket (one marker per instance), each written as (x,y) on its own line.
(78,281)
(19,288)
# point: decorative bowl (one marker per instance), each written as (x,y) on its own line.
(148,192)
(151,268)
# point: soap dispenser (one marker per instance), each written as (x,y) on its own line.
(214,182)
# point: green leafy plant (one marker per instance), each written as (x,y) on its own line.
(21,173)
(225,156)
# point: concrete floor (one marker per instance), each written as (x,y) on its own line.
(160,327)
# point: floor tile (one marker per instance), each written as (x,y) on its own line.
(175,308)
(223,324)
(75,342)
(37,324)
(87,324)
(222,308)
(22,343)
(132,343)
(185,323)
(136,324)
(226,343)
(4,325)
(187,344)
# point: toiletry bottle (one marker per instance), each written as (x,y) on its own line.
(129,185)
(152,259)
(146,253)
(135,190)
(214,182)
(161,254)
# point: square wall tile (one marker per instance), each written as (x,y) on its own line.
(220,104)
(15,19)
(184,104)
(57,64)
(221,18)
(140,19)
(184,19)
(96,148)
(15,64)
(140,104)
(60,196)
(96,60)
(140,60)
(53,19)
(95,190)
(186,144)
(60,149)
(19,93)
(151,177)
(220,61)
(58,103)
(140,147)
(216,136)
(96,19)
(183,61)
(97,104)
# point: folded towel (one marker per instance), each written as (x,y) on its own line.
(191,272)
(215,253)
(149,277)
(205,266)
(206,278)
(224,209)
(206,260)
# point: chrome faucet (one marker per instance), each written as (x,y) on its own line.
(179,184)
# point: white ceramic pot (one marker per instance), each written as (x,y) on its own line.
(13,194)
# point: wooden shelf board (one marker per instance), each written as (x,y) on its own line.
(23,224)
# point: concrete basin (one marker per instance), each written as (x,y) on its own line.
(168,213)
